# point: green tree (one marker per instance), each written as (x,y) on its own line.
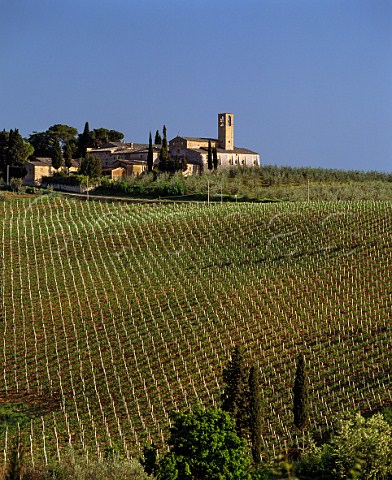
(56,154)
(150,155)
(215,158)
(16,184)
(209,156)
(68,151)
(301,395)
(18,150)
(42,143)
(255,413)
(64,133)
(235,396)
(4,137)
(158,138)
(90,166)
(85,141)
(204,446)
(164,154)
(359,448)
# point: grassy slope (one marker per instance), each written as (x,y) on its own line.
(116,314)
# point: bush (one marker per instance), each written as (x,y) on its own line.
(361,448)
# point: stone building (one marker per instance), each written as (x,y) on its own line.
(196,148)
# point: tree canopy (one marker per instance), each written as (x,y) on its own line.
(204,446)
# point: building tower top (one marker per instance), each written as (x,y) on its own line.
(226,131)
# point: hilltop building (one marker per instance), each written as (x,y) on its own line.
(196,148)
(120,158)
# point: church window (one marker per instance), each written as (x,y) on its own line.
(229,120)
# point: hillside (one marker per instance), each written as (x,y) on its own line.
(115,314)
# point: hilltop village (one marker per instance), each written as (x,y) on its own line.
(120,159)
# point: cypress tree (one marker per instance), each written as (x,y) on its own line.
(209,156)
(235,397)
(84,141)
(56,154)
(164,155)
(301,395)
(215,158)
(158,138)
(150,155)
(68,155)
(255,413)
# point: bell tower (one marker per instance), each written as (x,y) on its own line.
(226,131)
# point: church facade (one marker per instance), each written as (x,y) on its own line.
(196,148)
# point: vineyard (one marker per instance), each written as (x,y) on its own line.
(113,314)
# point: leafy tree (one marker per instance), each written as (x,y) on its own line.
(64,133)
(158,138)
(150,155)
(16,184)
(215,158)
(204,445)
(359,448)
(255,413)
(100,136)
(301,395)
(235,396)
(209,156)
(56,154)
(42,142)
(90,166)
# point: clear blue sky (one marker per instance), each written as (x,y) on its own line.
(309,81)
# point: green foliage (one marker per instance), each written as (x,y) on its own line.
(158,138)
(90,167)
(204,446)
(301,395)
(12,416)
(209,156)
(255,413)
(75,468)
(16,184)
(215,158)
(85,141)
(56,154)
(360,448)
(14,151)
(235,396)
(150,155)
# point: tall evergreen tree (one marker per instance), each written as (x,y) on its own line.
(18,150)
(158,138)
(56,154)
(255,413)
(209,156)
(84,141)
(215,158)
(68,151)
(150,155)
(4,137)
(235,396)
(164,155)
(301,395)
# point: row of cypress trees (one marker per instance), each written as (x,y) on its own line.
(242,398)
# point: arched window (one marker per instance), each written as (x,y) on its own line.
(229,120)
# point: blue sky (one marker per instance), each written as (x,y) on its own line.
(309,81)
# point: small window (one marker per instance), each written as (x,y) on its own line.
(229,120)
